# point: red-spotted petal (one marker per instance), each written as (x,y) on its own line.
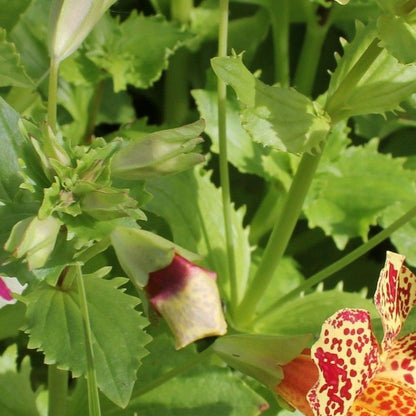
(395,296)
(347,356)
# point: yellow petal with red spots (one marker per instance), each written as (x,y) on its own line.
(347,356)
(385,397)
(395,296)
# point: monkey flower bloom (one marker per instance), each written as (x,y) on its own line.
(9,285)
(357,376)
(187,296)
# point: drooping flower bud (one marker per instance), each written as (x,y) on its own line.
(70,23)
(9,285)
(187,296)
(159,154)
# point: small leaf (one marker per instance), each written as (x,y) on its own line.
(55,327)
(135,51)
(274,116)
(12,72)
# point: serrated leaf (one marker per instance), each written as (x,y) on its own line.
(191,205)
(302,316)
(17,397)
(274,116)
(203,390)
(368,79)
(12,73)
(55,327)
(12,147)
(135,51)
(348,195)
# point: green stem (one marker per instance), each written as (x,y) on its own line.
(58,390)
(53,93)
(93,396)
(279,238)
(176,99)
(223,157)
(279,15)
(165,377)
(309,56)
(341,263)
(93,109)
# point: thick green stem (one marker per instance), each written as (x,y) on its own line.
(93,395)
(279,15)
(58,390)
(53,93)
(223,157)
(165,377)
(176,100)
(341,263)
(309,57)
(279,238)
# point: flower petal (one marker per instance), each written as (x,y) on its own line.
(9,285)
(395,296)
(347,356)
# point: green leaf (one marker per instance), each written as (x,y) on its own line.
(191,205)
(348,195)
(12,147)
(302,316)
(14,9)
(398,37)
(245,154)
(55,327)
(12,73)
(274,116)
(368,79)
(135,51)
(30,37)
(11,319)
(17,397)
(204,389)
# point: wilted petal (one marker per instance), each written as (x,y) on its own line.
(9,285)
(347,356)
(395,296)
(299,376)
(187,297)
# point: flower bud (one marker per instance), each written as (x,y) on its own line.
(9,285)
(70,23)
(159,154)
(187,297)
(34,239)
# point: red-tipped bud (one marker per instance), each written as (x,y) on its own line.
(187,297)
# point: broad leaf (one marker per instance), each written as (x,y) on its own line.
(135,51)
(302,316)
(55,327)
(11,319)
(349,195)
(204,389)
(17,397)
(191,205)
(274,116)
